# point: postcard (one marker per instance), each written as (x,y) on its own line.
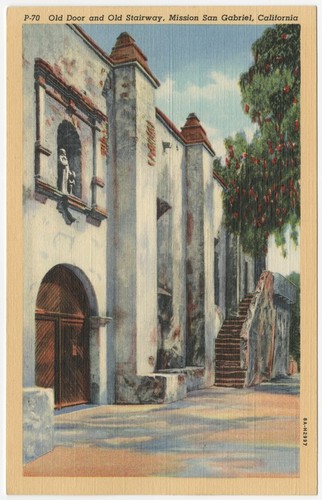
(162,246)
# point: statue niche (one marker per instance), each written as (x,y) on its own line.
(69,160)
(66,176)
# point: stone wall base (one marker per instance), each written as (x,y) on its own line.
(165,386)
(38,422)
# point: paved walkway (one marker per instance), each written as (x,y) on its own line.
(217,432)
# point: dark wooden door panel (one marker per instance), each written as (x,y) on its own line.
(62,341)
(74,364)
(45,352)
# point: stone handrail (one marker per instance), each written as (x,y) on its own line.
(264,339)
(284,288)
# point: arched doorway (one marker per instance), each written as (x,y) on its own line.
(62,337)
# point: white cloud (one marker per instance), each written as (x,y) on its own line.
(219,85)
(216,103)
(249,131)
(216,138)
(167,90)
(222,83)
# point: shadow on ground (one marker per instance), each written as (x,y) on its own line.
(216,432)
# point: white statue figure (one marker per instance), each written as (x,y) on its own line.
(66,176)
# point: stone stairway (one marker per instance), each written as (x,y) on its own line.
(228,371)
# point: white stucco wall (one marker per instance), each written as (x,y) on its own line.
(48,240)
(209,234)
(172,239)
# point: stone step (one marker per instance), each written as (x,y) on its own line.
(228,372)
(228,346)
(228,340)
(226,337)
(219,375)
(229,376)
(222,364)
(229,322)
(248,298)
(227,353)
(232,379)
(233,322)
(231,371)
(230,383)
(235,327)
(231,330)
(224,361)
(225,346)
(228,349)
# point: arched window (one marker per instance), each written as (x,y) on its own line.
(69,154)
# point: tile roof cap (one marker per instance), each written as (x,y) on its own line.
(194,133)
(125,50)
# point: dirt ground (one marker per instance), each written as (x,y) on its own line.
(217,432)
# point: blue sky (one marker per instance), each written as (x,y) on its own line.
(199,68)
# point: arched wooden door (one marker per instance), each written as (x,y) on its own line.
(62,337)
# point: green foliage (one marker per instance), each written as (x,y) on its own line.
(263,177)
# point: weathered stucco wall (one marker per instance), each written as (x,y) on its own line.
(195,257)
(220,259)
(135,193)
(171,251)
(48,240)
(146,296)
(240,267)
(232,270)
(200,260)
(209,228)
(38,423)
(247,277)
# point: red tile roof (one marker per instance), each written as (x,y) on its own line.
(194,133)
(221,181)
(125,50)
(169,123)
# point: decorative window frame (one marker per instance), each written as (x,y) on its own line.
(48,81)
